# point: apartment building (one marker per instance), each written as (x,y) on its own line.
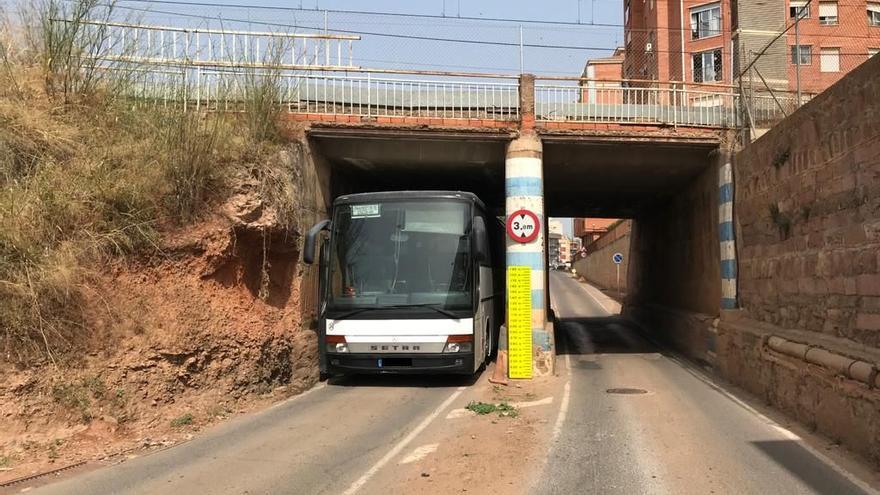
(703,41)
(602,79)
(832,38)
(678,40)
(590,229)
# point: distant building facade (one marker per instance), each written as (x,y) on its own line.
(711,42)
(590,229)
(602,78)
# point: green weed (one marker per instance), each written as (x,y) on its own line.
(183,420)
(503,408)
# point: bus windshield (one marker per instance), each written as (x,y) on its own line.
(401,253)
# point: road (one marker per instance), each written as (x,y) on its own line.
(322,442)
(682,435)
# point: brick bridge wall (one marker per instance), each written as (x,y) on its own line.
(807,210)
(675,270)
(597,267)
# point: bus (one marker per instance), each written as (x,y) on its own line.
(407,283)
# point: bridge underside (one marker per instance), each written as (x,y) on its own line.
(667,185)
(594,176)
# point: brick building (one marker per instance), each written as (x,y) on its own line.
(590,229)
(835,37)
(655,32)
(719,37)
(602,74)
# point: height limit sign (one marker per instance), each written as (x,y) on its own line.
(523,226)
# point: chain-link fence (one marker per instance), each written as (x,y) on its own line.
(630,64)
(412,41)
(784,57)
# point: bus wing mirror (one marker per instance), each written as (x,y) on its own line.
(311,238)
(481,240)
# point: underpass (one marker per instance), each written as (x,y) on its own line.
(622,415)
(642,420)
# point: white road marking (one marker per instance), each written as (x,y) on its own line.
(788,434)
(402,444)
(590,293)
(563,407)
(462,412)
(420,453)
(459,412)
(540,402)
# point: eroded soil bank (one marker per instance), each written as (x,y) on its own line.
(207,326)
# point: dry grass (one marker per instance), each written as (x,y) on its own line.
(85,175)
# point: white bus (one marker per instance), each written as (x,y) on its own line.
(407,283)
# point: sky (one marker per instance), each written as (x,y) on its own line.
(379,48)
(577,29)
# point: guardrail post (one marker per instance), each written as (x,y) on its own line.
(526,102)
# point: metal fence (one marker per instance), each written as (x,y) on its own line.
(220,70)
(385,96)
(369,95)
(166,45)
(614,101)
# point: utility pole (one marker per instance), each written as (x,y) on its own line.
(797,44)
(521,69)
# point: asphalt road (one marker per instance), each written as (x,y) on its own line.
(320,443)
(680,434)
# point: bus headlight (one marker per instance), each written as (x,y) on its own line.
(336,343)
(459,343)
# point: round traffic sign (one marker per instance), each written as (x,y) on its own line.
(617,258)
(523,226)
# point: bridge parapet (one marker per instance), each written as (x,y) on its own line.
(315,74)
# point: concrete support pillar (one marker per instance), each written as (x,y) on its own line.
(726,230)
(524,182)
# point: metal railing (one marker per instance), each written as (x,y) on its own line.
(361,95)
(766,109)
(220,70)
(150,44)
(388,97)
(615,102)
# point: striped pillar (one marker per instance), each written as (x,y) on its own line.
(524,184)
(727,234)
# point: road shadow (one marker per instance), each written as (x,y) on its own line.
(406,381)
(600,335)
(804,465)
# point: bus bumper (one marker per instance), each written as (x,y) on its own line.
(357,363)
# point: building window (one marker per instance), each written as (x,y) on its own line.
(806,54)
(707,66)
(830,60)
(799,6)
(706,21)
(828,13)
(873,14)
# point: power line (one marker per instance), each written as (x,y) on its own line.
(442,17)
(370,33)
(387,35)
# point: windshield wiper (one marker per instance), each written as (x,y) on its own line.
(433,306)
(354,312)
